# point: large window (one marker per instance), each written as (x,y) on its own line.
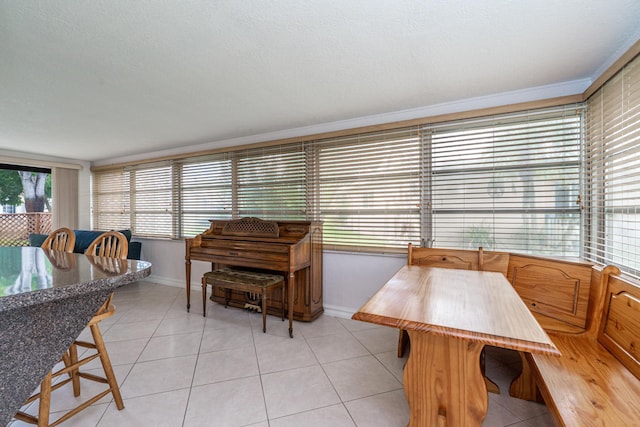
(25,203)
(151,190)
(368,189)
(271,183)
(111,200)
(507,182)
(612,227)
(204,191)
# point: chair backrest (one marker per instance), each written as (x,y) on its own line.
(62,239)
(111,244)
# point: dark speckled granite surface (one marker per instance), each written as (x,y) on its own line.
(46,300)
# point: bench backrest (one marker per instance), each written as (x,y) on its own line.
(619,329)
(556,291)
(564,295)
(459,258)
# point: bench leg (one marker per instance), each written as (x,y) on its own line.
(204,297)
(492,387)
(524,385)
(264,311)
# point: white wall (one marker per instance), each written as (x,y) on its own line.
(349,279)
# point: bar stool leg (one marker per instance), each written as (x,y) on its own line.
(45,401)
(106,365)
(74,374)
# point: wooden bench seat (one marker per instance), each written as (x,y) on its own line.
(244,281)
(596,381)
(587,386)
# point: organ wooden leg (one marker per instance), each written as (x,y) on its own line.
(291,282)
(264,310)
(188,281)
(204,297)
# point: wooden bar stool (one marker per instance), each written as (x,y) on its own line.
(72,368)
(111,244)
(243,281)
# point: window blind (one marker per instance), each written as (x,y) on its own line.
(508,183)
(151,200)
(271,182)
(368,189)
(139,198)
(203,191)
(111,196)
(612,229)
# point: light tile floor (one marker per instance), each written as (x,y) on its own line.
(182,369)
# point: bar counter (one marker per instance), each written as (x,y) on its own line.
(46,300)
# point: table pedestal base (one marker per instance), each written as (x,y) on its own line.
(443,382)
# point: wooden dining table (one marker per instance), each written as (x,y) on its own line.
(450,316)
(46,300)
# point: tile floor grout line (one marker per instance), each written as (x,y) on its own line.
(137,303)
(193,375)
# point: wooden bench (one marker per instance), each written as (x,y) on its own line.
(245,281)
(592,315)
(596,381)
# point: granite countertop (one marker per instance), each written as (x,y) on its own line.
(46,300)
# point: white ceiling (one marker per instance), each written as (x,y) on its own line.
(102,79)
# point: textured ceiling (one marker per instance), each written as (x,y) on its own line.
(94,80)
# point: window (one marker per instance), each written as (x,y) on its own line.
(137,198)
(176,199)
(368,189)
(204,192)
(613,172)
(508,182)
(25,195)
(151,200)
(271,183)
(111,200)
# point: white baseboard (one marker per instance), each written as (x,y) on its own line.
(169,282)
(329,310)
(339,311)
